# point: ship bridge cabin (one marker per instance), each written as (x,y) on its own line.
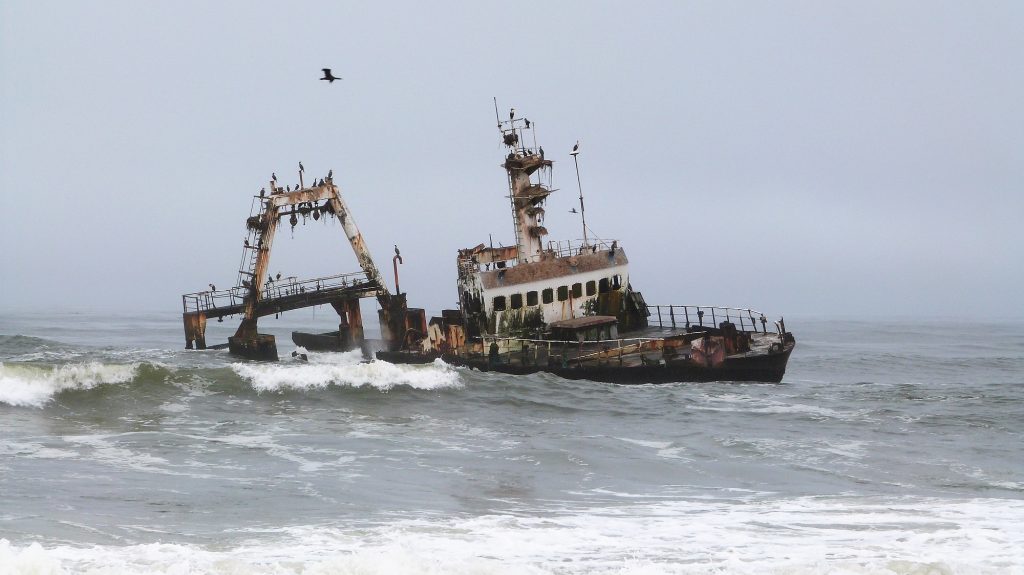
(569,280)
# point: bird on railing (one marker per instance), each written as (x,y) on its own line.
(213,287)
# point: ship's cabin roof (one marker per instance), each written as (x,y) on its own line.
(588,328)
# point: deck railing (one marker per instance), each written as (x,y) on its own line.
(684,316)
(272,289)
(527,351)
(564,248)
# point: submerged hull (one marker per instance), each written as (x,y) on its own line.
(763,368)
(332,341)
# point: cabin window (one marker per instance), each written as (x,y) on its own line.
(577,290)
(616,281)
(499,303)
(531,298)
(563,293)
(591,287)
(603,285)
(548,295)
(517,300)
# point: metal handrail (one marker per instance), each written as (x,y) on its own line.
(675,316)
(272,289)
(564,248)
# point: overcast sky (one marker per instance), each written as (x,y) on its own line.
(802,158)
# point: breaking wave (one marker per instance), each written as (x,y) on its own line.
(800,536)
(346,369)
(35,385)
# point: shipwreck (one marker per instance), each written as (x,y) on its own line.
(564,307)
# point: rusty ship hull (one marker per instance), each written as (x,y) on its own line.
(760,368)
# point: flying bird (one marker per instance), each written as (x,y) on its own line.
(328,76)
(573,211)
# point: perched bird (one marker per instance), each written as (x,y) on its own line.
(397,253)
(246,242)
(288,188)
(575,149)
(278,275)
(330,174)
(527,122)
(301,169)
(213,287)
(273,176)
(263,192)
(328,76)
(542,152)
(511,114)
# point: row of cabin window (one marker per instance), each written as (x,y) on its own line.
(515,301)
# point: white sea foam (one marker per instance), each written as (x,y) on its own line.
(104,450)
(745,404)
(346,369)
(663,448)
(33,385)
(841,536)
(34,450)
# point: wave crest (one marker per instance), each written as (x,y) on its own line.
(35,385)
(346,369)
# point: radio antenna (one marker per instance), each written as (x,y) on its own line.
(574,153)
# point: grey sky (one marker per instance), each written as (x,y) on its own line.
(825,158)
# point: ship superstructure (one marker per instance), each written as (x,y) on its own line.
(519,291)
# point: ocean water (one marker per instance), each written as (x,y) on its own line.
(891,447)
